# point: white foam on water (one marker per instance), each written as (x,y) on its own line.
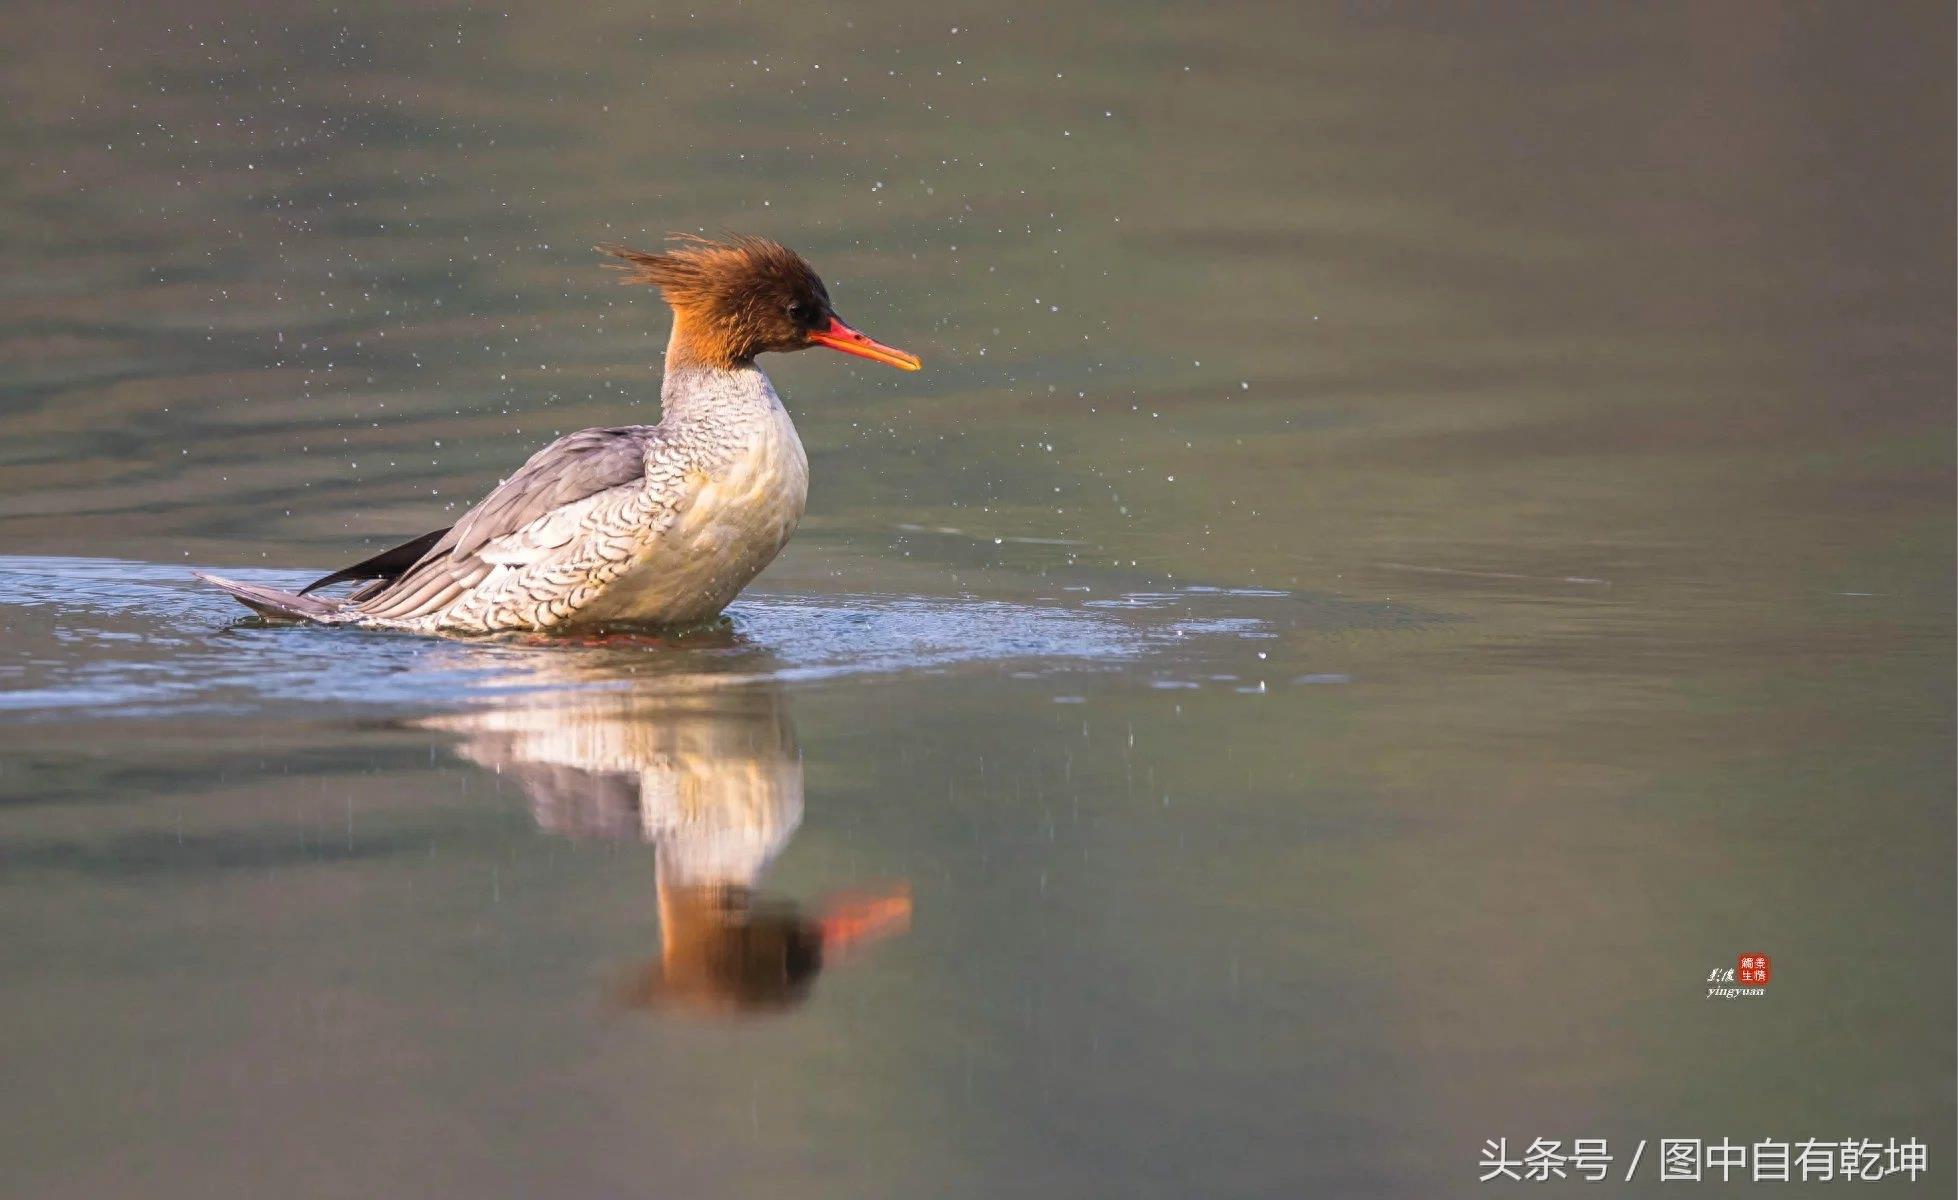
(134,638)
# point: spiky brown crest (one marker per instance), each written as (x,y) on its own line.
(731,299)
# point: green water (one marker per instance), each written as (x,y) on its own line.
(1423,533)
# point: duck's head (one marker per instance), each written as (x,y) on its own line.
(727,952)
(746,296)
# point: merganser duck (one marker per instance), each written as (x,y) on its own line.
(712,779)
(635,525)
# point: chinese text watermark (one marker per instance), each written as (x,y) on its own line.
(1696,1160)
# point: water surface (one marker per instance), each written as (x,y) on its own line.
(1422,534)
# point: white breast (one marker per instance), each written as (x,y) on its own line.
(736,515)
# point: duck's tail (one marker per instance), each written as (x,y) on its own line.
(273,603)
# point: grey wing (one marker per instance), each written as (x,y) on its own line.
(572,469)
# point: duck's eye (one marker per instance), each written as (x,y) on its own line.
(798,311)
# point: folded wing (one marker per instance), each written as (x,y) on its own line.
(541,502)
(386,566)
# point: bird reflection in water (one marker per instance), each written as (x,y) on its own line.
(713,780)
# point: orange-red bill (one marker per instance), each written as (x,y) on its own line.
(856,920)
(841,337)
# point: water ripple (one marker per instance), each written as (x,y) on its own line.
(119,638)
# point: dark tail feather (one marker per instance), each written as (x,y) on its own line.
(388,564)
(271,602)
